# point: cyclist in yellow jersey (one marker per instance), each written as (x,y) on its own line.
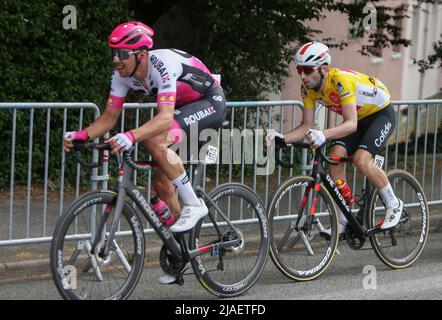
(368,121)
(344,87)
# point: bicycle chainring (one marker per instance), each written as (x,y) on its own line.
(169,264)
(353,241)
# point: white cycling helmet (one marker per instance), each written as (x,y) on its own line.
(313,54)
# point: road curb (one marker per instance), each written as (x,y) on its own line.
(24,269)
(35,268)
(2,270)
(28,269)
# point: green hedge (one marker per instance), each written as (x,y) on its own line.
(41,61)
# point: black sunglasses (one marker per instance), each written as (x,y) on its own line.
(122,54)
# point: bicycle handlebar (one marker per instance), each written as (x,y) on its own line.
(334,160)
(81,146)
(278,159)
(127,155)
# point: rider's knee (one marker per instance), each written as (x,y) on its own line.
(156,146)
(362,164)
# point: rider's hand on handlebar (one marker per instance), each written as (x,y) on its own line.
(279,138)
(315,138)
(73,135)
(122,141)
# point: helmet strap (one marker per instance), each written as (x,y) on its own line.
(319,85)
(136,65)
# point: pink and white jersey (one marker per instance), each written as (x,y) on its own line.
(174,76)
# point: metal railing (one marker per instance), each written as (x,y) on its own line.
(35,223)
(25,220)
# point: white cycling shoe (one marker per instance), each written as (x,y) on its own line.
(392,216)
(190,215)
(166,279)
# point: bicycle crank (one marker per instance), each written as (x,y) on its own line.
(353,241)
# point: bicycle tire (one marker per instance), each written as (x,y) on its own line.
(200,266)
(290,271)
(62,228)
(392,262)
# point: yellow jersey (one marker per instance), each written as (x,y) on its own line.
(344,87)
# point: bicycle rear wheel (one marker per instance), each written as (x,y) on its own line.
(401,247)
(232,271)
(78,269)
(296,247)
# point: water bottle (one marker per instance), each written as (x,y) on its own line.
(345,190)
(162,211)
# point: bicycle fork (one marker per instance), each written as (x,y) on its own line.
(300,221)
(100,235)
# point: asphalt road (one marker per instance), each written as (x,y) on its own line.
(343,280)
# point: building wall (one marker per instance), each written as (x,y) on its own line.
(395,70)
(428,23)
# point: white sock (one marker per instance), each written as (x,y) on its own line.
(185,190)
(390,199)
(342,218)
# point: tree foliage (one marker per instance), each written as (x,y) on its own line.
(43,62)
(251,42)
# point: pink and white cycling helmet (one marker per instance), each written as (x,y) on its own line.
(131,35)
(313,54)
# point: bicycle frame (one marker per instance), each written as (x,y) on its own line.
(320,175)
(179,249)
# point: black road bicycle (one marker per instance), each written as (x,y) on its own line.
(304,206)
(98,246)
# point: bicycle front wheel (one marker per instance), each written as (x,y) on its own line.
(297,247)
(401,246)
(227,272)
(79,268)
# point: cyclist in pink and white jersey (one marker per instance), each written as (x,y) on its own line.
(186,92)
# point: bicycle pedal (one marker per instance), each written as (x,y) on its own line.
(180,281)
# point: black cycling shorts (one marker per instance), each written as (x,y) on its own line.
(205,113)
(372,133)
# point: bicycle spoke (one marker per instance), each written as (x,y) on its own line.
(293,242)
(285,237)
(306,243)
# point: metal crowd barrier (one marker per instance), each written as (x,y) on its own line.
(28,220)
